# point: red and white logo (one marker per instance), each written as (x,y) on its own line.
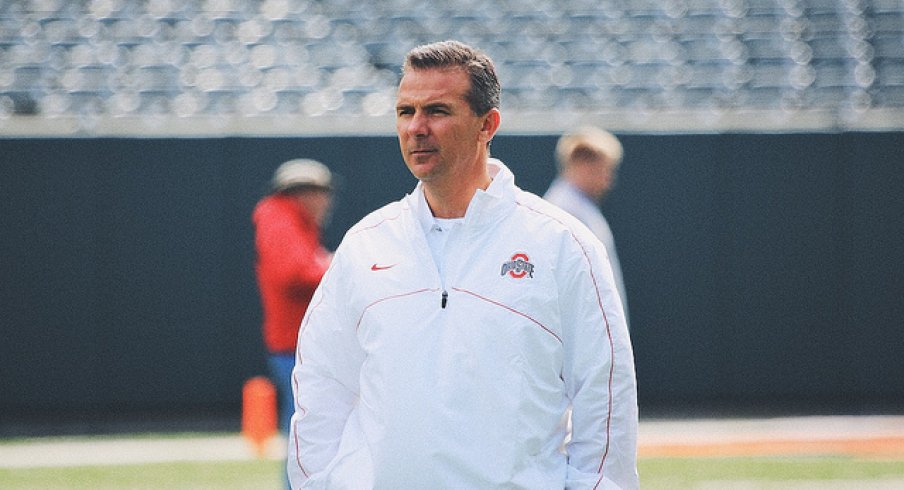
(518,267)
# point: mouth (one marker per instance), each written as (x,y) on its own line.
(422,151)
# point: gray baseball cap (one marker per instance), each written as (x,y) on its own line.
(302,172)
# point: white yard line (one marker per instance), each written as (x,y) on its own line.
(814,428)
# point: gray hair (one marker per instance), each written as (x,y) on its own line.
(485,91)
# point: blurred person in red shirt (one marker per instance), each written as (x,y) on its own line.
(291,260)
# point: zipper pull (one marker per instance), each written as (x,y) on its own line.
(444,300)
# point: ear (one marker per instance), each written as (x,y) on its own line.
(491,121)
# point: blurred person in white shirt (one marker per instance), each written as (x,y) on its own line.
(588,160)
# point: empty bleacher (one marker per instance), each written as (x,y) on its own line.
(87,67)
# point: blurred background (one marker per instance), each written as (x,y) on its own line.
(758,212)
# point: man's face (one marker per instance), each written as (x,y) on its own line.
(439,134)
(602,177)
(317,202)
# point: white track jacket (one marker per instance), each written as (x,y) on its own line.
(408,380)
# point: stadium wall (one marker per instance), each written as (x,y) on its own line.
(764,271)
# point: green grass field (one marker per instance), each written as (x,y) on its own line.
(258,474)
(768,473)
(656,473)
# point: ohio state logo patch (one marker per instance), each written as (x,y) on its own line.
(518,267)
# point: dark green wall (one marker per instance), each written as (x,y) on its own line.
(763,271)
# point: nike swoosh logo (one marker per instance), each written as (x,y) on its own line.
(376,267)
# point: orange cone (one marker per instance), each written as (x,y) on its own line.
(259,412)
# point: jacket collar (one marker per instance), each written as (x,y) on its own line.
(485,207)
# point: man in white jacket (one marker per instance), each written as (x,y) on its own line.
(470,335)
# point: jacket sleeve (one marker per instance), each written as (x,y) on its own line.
(598,372)
(325,378)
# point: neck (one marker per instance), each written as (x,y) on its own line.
(452,201)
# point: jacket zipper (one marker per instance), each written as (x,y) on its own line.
(444,300)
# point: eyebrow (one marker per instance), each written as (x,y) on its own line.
(429,106)
(438,105)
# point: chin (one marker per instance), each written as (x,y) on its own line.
(421,172)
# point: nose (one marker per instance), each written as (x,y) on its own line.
(417,125)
